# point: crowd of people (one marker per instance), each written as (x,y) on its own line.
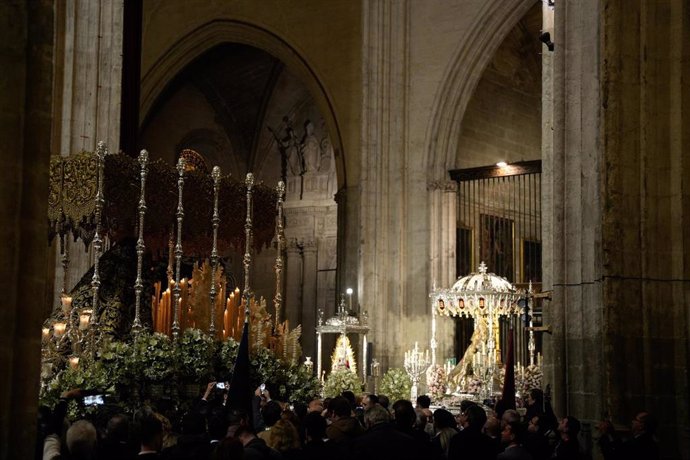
(344,427)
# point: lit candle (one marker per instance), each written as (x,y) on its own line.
(84,319)
(59,329)
(74,362)
(45,333)
(66,304)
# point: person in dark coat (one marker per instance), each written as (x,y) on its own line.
(315,447)
(471,442)
(642,445)
(568,447)
(255,448)
(512,435)
(383,440)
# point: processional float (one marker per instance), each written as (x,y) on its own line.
(486,298)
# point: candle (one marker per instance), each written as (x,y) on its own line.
(84,318)
(59,329)
(45,333)
(66,304)
(74,362)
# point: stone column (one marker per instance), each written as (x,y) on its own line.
(442,227)
(387,216)
(293,283)
(26,60)
(87,100)
(309,306)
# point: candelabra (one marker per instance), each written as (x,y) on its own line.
(416,364)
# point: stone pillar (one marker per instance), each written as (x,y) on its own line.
(293,283)
(309,296)
(442,227)
(89,49)
(572,214)
(88,81)
(387,214)
(26,60)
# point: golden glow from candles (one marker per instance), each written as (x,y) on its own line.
(45,333)
(74,362)
(66,304)
(59,328)
(84,319)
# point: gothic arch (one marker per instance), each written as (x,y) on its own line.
(465,70)
(192,45)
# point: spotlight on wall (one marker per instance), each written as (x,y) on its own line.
(545,38)
(501,164)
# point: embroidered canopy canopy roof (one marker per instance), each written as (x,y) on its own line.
(72,193)
(476,294)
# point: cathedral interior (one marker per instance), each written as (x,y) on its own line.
(432,136)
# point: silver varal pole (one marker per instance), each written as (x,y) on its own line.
(280,236)
(249,182)
(181,165)
(101,152)
(214,251)
(138,284)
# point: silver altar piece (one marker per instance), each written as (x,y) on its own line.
(101,152)
(214,250)
(181,165)
(484,297)
(375,373)
(247,261)
(280,237)
(137,327)
(416,363)
(342,323)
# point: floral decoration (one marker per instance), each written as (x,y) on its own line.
(341,380)
(396,384)
(532,378)
(436,382)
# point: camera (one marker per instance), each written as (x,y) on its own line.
(94,400)
(220,385)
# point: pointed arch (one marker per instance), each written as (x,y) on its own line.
(465,70)
(195,43)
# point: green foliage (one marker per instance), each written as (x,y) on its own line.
(129,371)
(341,380)
(152,357)
(396,384)
(194,353)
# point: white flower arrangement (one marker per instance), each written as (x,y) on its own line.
(436,382)
(341,380)
(473,385)
(396,384)
(532,378)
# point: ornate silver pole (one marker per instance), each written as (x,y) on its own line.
(246,294)
(138,284)
(531,345)
(65,261)
(214,252)
(101,152)
(178,249)
(280,236)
